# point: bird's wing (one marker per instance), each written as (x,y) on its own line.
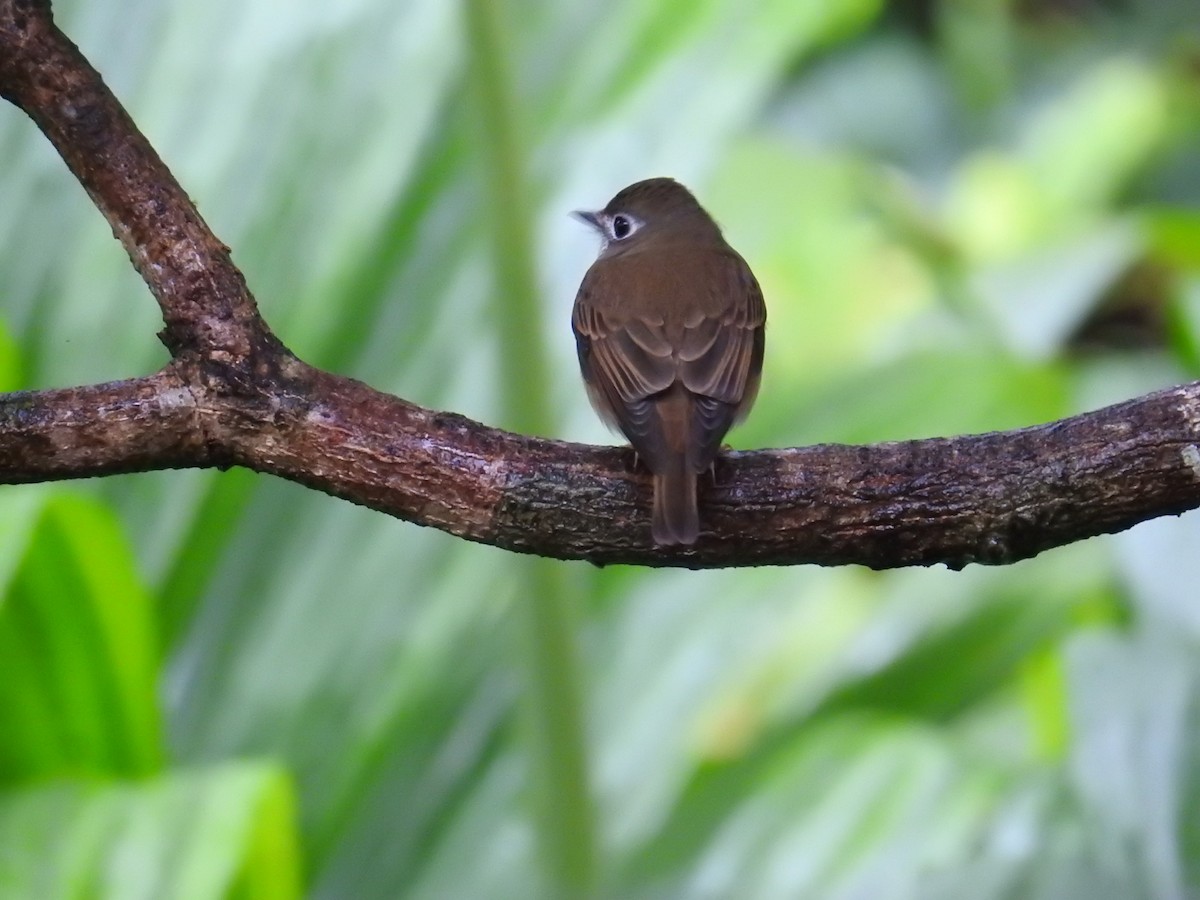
(715,353)
(624,364)
(720,358)
(721,349)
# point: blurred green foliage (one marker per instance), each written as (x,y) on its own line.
(966,215)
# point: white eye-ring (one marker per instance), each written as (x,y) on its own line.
(622,225)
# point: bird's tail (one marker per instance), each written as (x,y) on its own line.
(675,519)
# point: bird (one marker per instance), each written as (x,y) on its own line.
(669,326)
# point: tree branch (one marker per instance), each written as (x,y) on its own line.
(234,395)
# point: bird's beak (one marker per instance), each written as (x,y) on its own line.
(589,218)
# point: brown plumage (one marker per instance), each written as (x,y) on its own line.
(669,327)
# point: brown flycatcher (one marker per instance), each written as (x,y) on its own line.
(669,326)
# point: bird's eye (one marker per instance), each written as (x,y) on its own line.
(622,227)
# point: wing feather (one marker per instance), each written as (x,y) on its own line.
(632,356)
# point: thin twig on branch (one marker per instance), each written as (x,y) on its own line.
(234,395)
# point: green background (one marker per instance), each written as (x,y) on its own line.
(966,216)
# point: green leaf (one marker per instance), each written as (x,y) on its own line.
(225,832)
(10,361)
(78,655)
(1174,236)
(1135,713)
(931,394)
